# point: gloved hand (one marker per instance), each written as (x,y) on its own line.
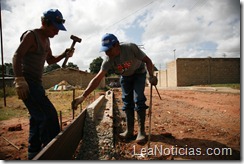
(22,87)
(69,52)
(77,101)
(153,80)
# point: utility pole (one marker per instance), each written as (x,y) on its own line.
(3,80)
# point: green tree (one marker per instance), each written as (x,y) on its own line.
(72,65)
(95,65)
(51,67)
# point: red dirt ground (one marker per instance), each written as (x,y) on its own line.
(185,124)
(195,121)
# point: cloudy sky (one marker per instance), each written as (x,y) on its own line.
(164,29)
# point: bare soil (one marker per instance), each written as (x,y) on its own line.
(185,125)
(188,125)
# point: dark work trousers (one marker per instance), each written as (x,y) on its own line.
(44,123)
(133,91)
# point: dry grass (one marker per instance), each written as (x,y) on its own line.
(60,99)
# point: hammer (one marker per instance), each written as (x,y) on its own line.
(75,39)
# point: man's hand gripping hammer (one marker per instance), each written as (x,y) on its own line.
(75,39)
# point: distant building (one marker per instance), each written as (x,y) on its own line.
(199,71)
(73,76)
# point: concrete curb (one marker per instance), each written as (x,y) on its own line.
(97,143)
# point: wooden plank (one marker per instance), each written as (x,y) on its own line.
(63,146)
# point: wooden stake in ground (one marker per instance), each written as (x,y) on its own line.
(73,111)
(60,118)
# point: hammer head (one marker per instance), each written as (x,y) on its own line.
(75,38)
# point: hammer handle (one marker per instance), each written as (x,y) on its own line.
(66,58)
(65,61)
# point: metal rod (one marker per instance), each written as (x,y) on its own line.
(150,114)
(157,88)
(157,92)
(73,94)
(73,111)
(60,118)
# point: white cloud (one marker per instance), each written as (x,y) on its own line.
(189,26)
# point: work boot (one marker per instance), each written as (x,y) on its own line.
(129,124)
(141,136)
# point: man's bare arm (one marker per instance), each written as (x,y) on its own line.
(94,83)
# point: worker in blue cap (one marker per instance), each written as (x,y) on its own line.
(132,64)
(28,65)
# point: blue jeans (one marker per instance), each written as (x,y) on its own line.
(44,123)
(133,91)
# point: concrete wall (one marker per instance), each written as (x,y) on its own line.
(193,71)
(72,76)
(200,71)
(162,77)
(196,71)
(171,74)
(225,70)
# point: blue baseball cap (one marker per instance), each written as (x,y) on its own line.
(108,41)
(56,18)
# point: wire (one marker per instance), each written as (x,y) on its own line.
(134,12)
(129,15)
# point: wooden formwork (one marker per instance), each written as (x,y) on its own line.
(63,146)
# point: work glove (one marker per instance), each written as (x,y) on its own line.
(153,80)
(69,52)
(22,87)
(77,101)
